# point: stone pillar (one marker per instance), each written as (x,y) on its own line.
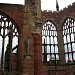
(28,66)
(37,54)
(27,62)
(61,46)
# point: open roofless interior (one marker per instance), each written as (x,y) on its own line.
(36,42)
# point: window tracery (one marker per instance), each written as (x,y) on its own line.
(69,39)
(49,42)
(8,32)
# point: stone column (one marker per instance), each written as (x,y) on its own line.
(37,54)
(61,46)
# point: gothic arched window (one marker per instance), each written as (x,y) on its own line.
(49,42)
(69,39)
(8,40)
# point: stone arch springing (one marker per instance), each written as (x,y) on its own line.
(69,39)
(9,33)
(49,42)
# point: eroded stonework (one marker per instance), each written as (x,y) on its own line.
(30,19)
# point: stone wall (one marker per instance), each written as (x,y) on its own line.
(31,64)
(58,19)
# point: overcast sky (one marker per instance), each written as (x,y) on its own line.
(51,4)
(46,4)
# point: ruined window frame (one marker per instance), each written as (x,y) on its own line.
(49,47)
(69,39)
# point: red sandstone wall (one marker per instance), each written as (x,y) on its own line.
(60,16)
(15,12)
(58,19)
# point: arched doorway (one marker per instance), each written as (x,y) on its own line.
(8,43)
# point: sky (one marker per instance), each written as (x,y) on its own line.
(45,4)
(51,4)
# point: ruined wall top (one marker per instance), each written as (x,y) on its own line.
(68,11)
(69,7)
(15,11)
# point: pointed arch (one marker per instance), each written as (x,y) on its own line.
(48,19)
(9,33)
(69,39)
(49,42)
